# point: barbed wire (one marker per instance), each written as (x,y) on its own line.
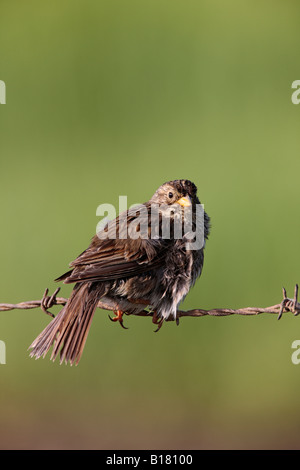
(286,305)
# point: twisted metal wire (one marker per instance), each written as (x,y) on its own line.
(286,305)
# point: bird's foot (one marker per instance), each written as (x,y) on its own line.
(157,321)
(119,317)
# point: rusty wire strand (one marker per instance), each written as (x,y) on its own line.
(286,305)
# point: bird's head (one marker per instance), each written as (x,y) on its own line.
(182,192)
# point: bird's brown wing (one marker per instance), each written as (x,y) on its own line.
(115,258)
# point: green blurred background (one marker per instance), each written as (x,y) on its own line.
(114,98)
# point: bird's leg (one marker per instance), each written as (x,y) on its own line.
(119,318)
(157,321)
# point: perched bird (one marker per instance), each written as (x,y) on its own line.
(130,264)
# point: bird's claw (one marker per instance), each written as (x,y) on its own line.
(157,321)
(118,317)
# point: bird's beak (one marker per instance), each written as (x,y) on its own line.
(185,201)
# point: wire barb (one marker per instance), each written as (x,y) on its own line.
(289,305)
(48,302)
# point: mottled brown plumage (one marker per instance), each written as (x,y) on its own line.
(128,273)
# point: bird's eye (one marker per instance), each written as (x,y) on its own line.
(170,195)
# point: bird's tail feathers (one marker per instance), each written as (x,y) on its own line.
(68,331)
